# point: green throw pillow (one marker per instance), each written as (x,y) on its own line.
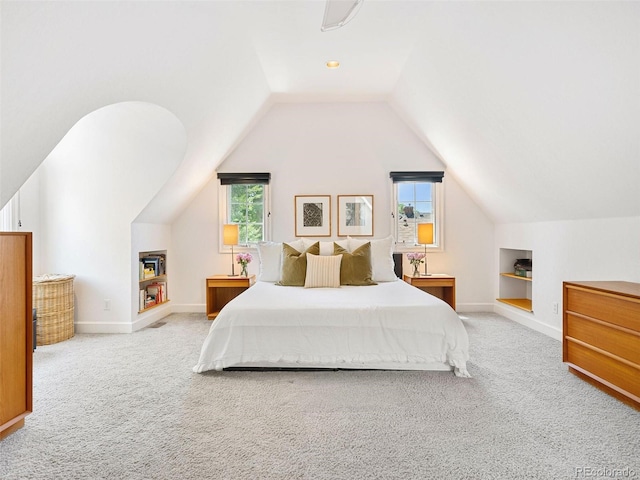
(355,268)
(294,264)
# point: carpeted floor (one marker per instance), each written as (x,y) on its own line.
(129,407)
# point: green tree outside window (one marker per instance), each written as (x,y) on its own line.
(246,208)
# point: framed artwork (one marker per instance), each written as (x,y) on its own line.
(313,215)
(355,215)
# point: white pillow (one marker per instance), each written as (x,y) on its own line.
(299,244)
(326,248)
(323,271)
(343,243)
(381,257)
(270,256)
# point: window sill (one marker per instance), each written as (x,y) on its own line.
(238,249)
(400,248)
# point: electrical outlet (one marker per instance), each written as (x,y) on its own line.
(107,304)
(555,307)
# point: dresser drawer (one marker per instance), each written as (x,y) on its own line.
(622,342)
(617,374)
(618,310)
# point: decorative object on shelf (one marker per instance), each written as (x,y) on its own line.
(523,267)
(244,259)
(355,215)
(425,237)
(230,235)
(313,216)
(415,259)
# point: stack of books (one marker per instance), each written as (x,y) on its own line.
(153,294)
(152,266)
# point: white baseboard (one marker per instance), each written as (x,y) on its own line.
(189,308)
(143,320)
(147,318)
(528,320)
(474,307)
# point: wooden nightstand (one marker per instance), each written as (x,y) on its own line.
(438,284)
(221,289)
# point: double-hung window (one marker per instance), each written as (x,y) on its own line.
(244,200)
(417,198)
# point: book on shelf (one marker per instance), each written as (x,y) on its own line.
(156,262)
(149,273)
(146,271)
(149,302)
(154,290)
(157,290)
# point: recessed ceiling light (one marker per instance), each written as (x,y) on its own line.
(333,64)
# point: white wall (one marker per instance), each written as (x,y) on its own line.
(63,60)
(337,148)
(534,105)
(92,187)
(195,251)
(601,249)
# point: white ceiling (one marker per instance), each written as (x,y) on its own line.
(533,106)
(372,48)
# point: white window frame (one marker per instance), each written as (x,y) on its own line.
(223,218)
(438,210)
(10,215)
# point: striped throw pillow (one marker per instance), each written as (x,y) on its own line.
(323,271)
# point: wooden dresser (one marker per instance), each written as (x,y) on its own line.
(601,336)
(16,331)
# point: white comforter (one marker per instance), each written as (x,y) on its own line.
(391,325)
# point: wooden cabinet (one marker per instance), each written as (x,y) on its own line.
(16,331)
(601,336)
(439,285)
(221,289)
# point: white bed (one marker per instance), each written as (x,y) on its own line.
(392,325)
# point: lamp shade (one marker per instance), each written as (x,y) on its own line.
(230,234)
(425,233)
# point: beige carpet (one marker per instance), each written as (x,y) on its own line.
(129,407)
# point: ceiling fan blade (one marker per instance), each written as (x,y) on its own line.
(338,13)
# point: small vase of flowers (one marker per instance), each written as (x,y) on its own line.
(415,259)
(244,259)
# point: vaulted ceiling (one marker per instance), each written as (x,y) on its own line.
(533,106)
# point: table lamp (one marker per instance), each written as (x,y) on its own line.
(230,234)
(425,237)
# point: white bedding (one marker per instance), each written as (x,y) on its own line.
(392,325)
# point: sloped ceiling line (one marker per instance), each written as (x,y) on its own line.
(524,101)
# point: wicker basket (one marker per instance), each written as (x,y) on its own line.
(53,301)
